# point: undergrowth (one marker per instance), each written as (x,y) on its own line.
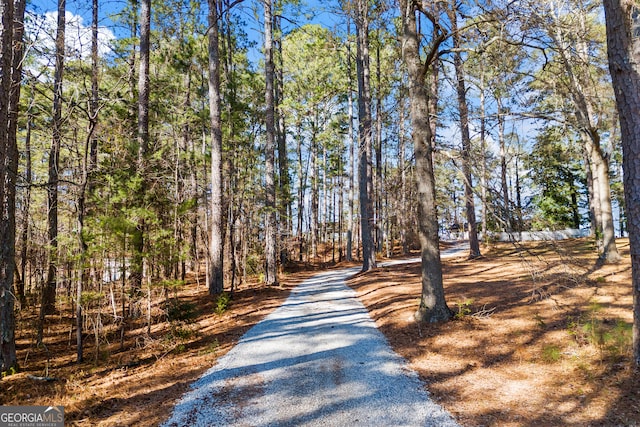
(611,336)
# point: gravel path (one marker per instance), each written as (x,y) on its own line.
(318,360)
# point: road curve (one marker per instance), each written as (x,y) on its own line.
(318,360)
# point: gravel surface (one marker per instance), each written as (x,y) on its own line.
(318,360)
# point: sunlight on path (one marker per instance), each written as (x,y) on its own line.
(316,360)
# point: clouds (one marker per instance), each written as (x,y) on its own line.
(41,34)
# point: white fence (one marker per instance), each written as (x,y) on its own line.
(569,233)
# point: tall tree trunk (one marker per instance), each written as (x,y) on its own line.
(138,238)
(14,102)
(503,166)
(194,247)
(271,226)
(230,161)
(49,289)
(301,191)
(623,27)
(378,190)
(367,224)
(483,148)
(93,149)
(403,213)
(325,201)
(602,192)
(26,208)
(594,207)
(313,179)
(284,181)
(216,253)
(520,220)
(580,91)
(187,181)
(433,306)
(351,149)
(474,244)
(88,165)
(340,211)
(8,173)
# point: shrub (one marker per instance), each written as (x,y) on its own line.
(222,303)
(464,308)
(551,353)
(180,311)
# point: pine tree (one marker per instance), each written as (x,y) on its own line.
(623,40)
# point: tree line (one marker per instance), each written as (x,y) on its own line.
(195,141)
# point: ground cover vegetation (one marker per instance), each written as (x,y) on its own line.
(539,336)
(150,147)
(538,333)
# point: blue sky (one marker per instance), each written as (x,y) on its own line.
(316,11)
(310,11)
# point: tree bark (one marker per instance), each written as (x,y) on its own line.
(461,91)
(581,93)
(351,149)
(8,173)
(216,253)
(403,215)
(284,180)
(88,165)
(594,207)
(231,160)
(49,289)
(433,306)
(138,238)
(503,166)
(301,191)
(378,183)
(623,40)
(364,126)
(313,181)
(14,103)
(271,227)
(484,179)
(602,192)
(26,208)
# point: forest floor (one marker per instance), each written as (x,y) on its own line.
(541,337)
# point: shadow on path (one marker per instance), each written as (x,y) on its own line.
(316,360)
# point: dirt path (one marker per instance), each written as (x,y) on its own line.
(317,360)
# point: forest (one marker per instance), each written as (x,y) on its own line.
(146,144)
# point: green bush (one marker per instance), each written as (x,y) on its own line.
(614,341)
(551,353)
(464,308)
(180,311)
(222,303)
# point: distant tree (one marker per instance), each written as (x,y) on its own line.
(573,77)
(89,163)
(623,40)
(463,109)
(314,83)
(556,172)
(352,162)
(271,226)
(49,287)
(284,180)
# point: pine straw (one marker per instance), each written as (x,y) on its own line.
(534,341)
